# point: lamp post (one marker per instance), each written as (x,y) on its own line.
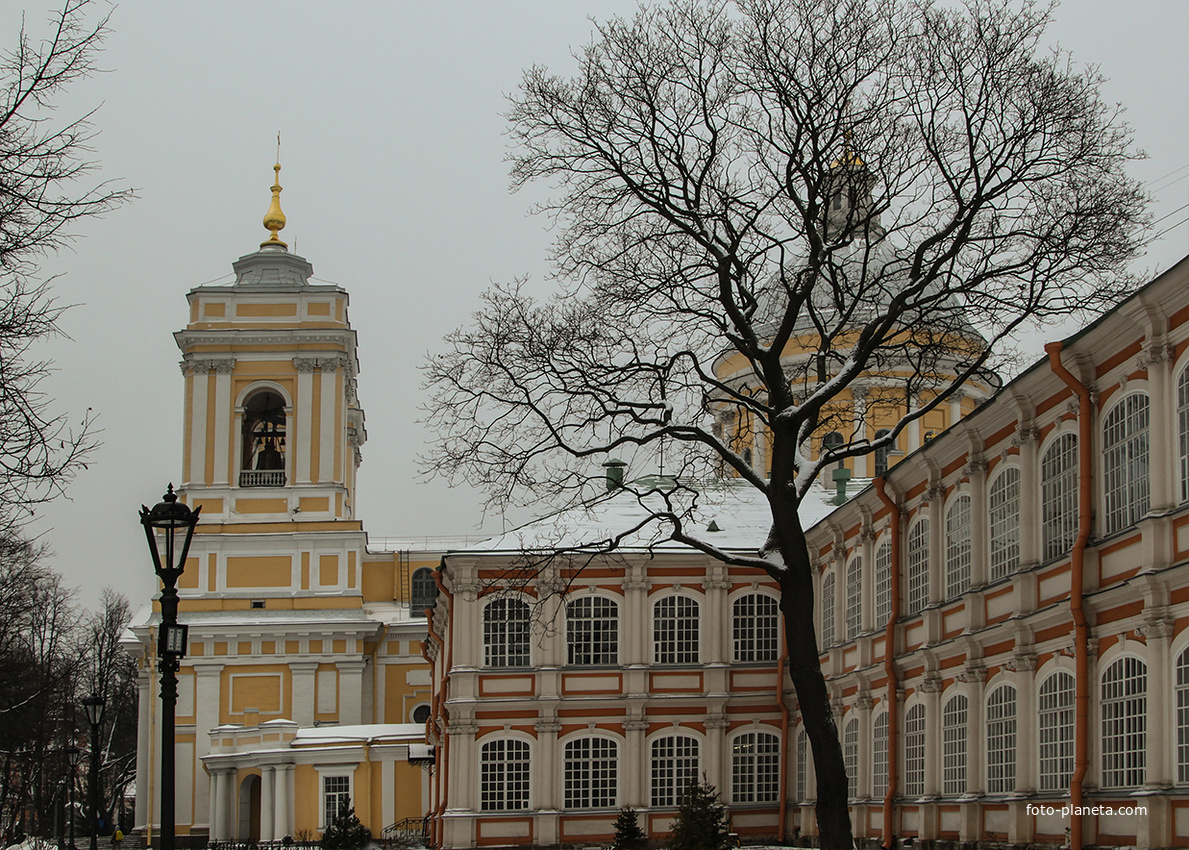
(73,754)
(94,706)
(169,527)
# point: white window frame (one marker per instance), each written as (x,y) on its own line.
(333,771)
(592,635)
(883,584)
(506,639)
(1181,697)
(674,763)
(1059,495)
(1055,730)
(755,767)
(676,633)
(1124,710)
(590,780)
(914,750)
(1000,723)
(505,775)
(854,597)
(958,556)
(955,718)
(917,566)
(1003,501)
(879,755)
(1183,432)
(1126,459)
(828,592)
(850,754)
(755,628)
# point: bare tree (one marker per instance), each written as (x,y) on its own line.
(761,206)
(42,160)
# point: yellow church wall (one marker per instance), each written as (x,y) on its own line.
(407,787)
(311,504)
(265,687)
(261,506)
(401,694)
(312,603)
(328,570)
(272,310)
(189,579)
(318,308)
(377,580)
(259,571)
(274,527)
(307,799)
(214,309)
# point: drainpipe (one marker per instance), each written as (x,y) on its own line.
(784,734)
(889,665)
(448,665)
(1077,566)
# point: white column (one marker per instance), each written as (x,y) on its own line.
(1162,406)
(1027,766)
(1161,736)
(219,783)
(268,794)
(207,696)
(1030,524)
(635,786)
(223,424)
(931,697)
(863,781)
(144,732)
(282,810)
(198,404)
(350,691)
(545,772)
(300,442)
(303,691)
(328,435)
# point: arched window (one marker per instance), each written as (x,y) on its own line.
(850,753)
(1005,523)
(591,773)
(1059,495)
(883,584)
(1055,728)
(504,771)
(1183,717)
(263,441)
(424,592)
(957,547)
(592,631)
(881,454)
(506,632)
(1125,462)
(674,768)
(828,610)
(854,598)
(914,751)
(954,718)
(754,623)
(675,630)
(831,441)
(1124,710)
(755,768)
(801,764)
(1183,431)
(879,757)
(918,566)
(1001,740)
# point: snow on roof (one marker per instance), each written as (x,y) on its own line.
(363,732)
(728,514)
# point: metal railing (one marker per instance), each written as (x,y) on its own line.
(409,830)
(262,478)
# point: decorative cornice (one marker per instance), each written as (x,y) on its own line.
(196,366)
(325,364)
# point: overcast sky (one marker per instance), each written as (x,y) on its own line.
(395,187)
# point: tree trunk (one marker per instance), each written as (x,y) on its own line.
(797,606)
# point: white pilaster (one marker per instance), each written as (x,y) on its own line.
(351,691)
(268,794)
(196,474)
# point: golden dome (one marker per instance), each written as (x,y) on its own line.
(274,219)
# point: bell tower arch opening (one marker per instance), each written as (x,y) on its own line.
(263,453)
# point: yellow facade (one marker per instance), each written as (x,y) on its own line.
(304,677)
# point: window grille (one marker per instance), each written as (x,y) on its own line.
(879,757)
(1005,523)
(1001,740)
(854,598)
(1124,710)
(1183,431)
(850,754)
(591,773)
(755,768)
(336,794)
(881,454)
(801,764)
(754,628)
(954,718)
(1055,731)
(883,584)
(1125,462)
(675,630)
(1059,496)
(424,592)
(1183,717)
(674,768)
(592,631)
(504,771)
(914,751)
(506,633)
(828,610)
(918,567)
(957,548)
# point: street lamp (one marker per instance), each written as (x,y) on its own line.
(94,706)
(73,754)
(169,527)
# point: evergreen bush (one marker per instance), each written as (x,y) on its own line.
(628,835)
(346,832)
(701,822)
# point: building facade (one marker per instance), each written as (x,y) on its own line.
(304,683)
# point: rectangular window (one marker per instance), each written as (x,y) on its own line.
(591,773)
(674,769)
(755,767)
(675,631)
(336,795)
(754,628)
(592,631)
(504,776)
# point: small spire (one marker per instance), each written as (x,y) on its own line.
(274,219)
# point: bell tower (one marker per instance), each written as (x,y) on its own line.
(272,425)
